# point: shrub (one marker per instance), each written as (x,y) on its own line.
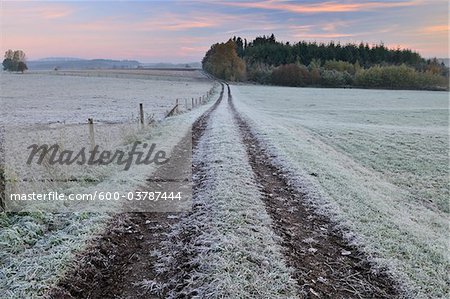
(21,67)
(333,78)
(314,75)
(402,76)
(291,75)
(428,80)
(259,72)
(341,66)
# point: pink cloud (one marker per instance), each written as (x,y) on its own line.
(61,29)
(436,29)
(321,35)
(324,7)
(43,10)
(188,25)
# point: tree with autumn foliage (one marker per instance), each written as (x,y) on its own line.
(223,62)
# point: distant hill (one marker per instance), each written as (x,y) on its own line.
(66,63)
(71,63)
(60,59)
(165,65)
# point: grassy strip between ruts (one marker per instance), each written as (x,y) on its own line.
(234,252)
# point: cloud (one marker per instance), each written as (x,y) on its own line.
(189,51)
(322,35)
(46,11)
(164,31)
(435,29)
(186,25)
(323,7)
(55,12)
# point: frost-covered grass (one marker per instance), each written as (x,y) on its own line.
(36,248)
(376,161)
(152,74)
(236,253)
(43,98)
(110,136)
(52,108)
(403,135)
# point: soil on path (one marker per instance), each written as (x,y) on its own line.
(325,266)
(118,263)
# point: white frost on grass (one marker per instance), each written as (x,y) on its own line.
(48,98)
(377,211)
(36,248)
(110,178)
(236,252)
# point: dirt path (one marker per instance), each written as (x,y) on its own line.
(254,235)
(120,263)
(225,247)
(325,266)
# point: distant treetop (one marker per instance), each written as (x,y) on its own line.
(14,61)
(266,49)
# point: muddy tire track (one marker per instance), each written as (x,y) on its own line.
(116,263)
(173,275)
(325,266)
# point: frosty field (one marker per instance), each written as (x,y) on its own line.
(53,109)
(403,135)
(376,160)
(72,97)
(294,192)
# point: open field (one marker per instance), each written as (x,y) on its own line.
(184,75)
(53,97)
(57,109)
(403,135)
(376,161)
(37,247)
(296,193)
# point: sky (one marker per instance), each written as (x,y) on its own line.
(182,31)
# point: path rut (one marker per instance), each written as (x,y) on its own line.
(249,234)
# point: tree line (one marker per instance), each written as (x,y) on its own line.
(14,61)
(267,61)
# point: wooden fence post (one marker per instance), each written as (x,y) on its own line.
(172,112)
(2,188)
(185,104)
(91,133)
(192,103)
(141,113)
